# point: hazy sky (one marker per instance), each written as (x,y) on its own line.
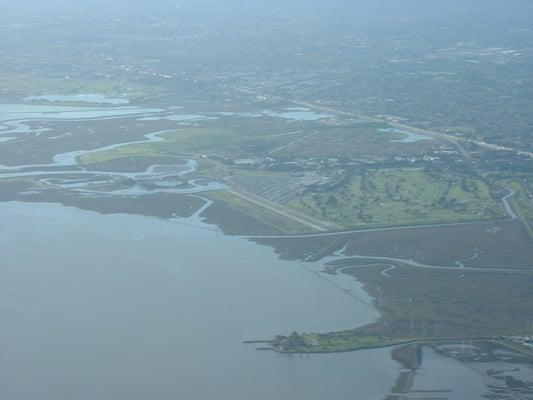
(369,7)
(412,17)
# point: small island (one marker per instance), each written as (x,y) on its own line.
(352,340)
(333,342)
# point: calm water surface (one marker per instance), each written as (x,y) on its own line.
(127,307)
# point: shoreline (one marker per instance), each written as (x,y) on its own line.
(428,341)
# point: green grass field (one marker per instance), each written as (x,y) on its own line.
(403,196)
(190,140)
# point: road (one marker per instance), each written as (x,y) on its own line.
(291,143)
(513,213)
(397,125)
(355,231)
(506,206)
(295,216)
(516,347)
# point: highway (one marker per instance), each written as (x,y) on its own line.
(445,136)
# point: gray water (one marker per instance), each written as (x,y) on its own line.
(442,377)
(129,307)
(410,137)
(26,112)
(298,114)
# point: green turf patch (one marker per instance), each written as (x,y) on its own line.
(177,143)
(403,196)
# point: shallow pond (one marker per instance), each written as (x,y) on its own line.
(410,137)
(81,98)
